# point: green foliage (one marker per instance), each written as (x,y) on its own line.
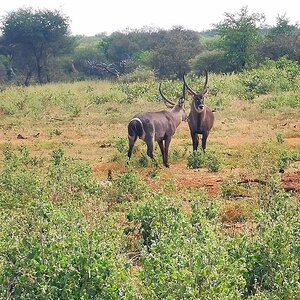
(37,101)
(147,90)
(274,260)
(48,249)
(127,187)
(143,161)
(20,178)
(213,60)
(182,257)
(231,189)
(239,34)
(281,40)
(47,32)
(55,131)
(53,253)
(196,160)
(138,75)
(286,158)
(279,138)
(269,158)
(281,101)
(172,51)
(112,95)
(61,239)
(68,176)
(271,76)
(178,154)
(213,161)
(209,159)
(121,145)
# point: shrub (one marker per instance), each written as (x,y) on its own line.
(183,258)
(127,187)
(52,253)
(273,260)
(140,74)
(209,159)
(69,179)
(281,100)
(196,160)
(48,248)
(271,76)
(213,161)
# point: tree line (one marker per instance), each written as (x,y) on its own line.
(36,46)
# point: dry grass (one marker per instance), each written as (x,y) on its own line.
(91,133)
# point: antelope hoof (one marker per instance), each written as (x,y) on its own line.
(167,165)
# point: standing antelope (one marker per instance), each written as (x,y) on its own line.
(157,126)
(201,118)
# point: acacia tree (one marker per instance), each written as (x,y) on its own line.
(32,37)
(239,35)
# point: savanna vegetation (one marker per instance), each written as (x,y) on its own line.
(77,222)
(36,47)
(224,225)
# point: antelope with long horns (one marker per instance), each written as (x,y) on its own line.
(201,118)
(157,126)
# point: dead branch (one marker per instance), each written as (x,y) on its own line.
(110,68)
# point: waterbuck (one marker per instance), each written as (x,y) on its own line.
(201,118)
(157,126)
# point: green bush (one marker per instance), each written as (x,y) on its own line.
(140,74)
(49,249)
(281,100)
(134,90)
(50,253)
(183,257)
(286,158)
(67,177)
(213,161)
(127,187)
(273,253)
(196,160)
(210,159)
(271,76)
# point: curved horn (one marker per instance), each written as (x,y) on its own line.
(164,97)
(205,84)
(188,88)
(183,91)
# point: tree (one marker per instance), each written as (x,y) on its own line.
(213,60)
(281,40)
(32,37)
(119,49)
(239,36)
(166,51)
(173,50)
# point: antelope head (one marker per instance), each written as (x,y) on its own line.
(176,107)
(198,98)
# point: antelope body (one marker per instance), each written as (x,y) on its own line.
(201,118)
(157,126)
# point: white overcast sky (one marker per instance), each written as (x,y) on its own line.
(89,17)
